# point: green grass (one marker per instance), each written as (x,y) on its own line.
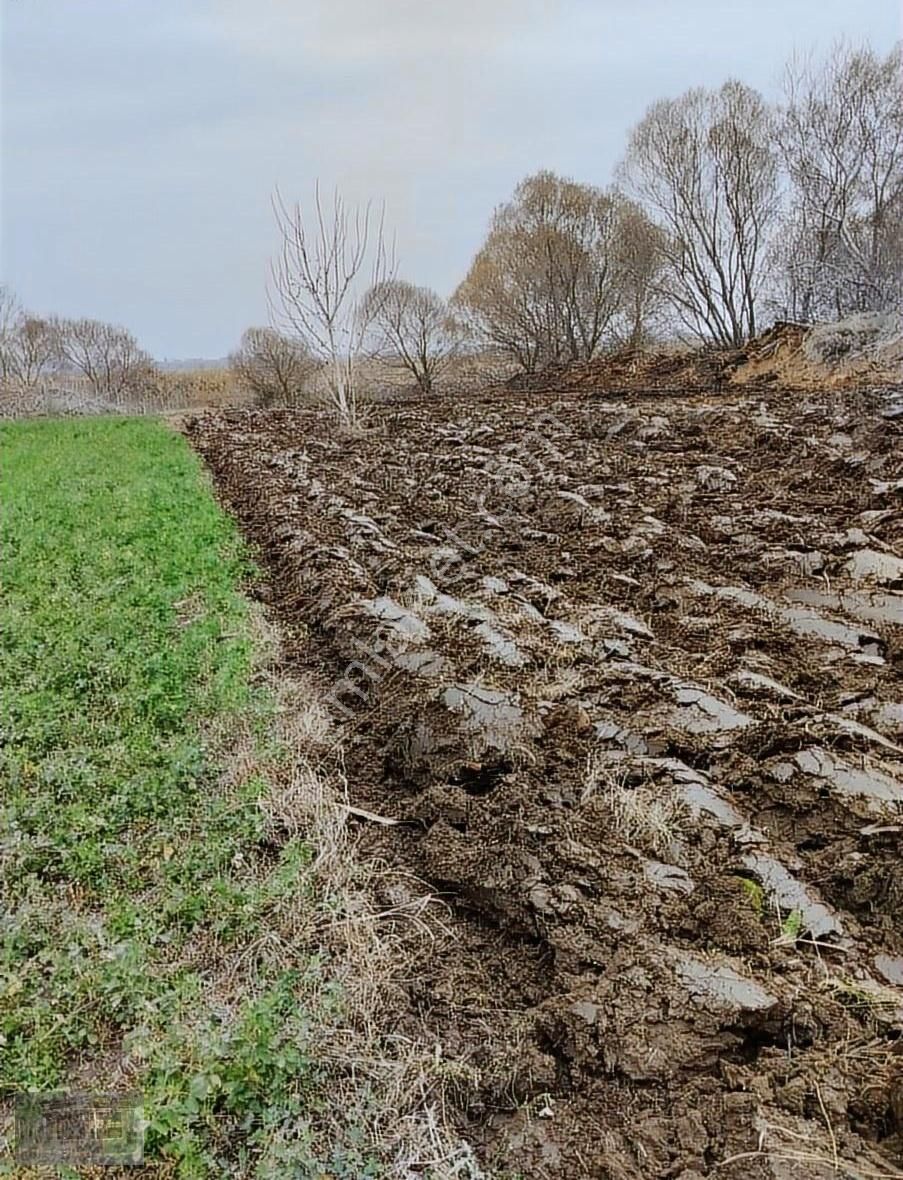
(125,639)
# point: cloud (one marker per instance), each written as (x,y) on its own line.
(411,93)
(357,32)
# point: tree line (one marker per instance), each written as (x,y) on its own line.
(727,212)
(104,358)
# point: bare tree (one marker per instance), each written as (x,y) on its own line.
(316,283)
(841,138)
(704,167)
(36,351)
(543,287)
(28,344)
(639,257)
(273,367)
(107,356)
(11,316)
(415,328)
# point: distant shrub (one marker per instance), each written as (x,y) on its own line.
(273,368)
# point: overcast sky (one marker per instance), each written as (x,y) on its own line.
(141,139)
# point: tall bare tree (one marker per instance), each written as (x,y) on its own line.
(841,138)
(415,328)
(317,283)
(275,368)
(543,287)
(704,167)
(107,356)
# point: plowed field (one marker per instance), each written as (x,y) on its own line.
(628,672)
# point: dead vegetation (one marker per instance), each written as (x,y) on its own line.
(642,814)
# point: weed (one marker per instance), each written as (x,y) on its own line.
(865,995)
(754,892)
(792,926)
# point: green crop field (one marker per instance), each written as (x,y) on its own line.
(131,866)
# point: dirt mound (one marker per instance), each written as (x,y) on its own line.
(630,369)
(864,351)
(628,677)
(869,336)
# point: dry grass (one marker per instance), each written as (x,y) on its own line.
(196,388)
(170,390)
(370,927)
(649,815)
(793,1143)
(568,683)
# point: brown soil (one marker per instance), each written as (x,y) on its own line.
(629,369)
(630,673)
(776,358)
